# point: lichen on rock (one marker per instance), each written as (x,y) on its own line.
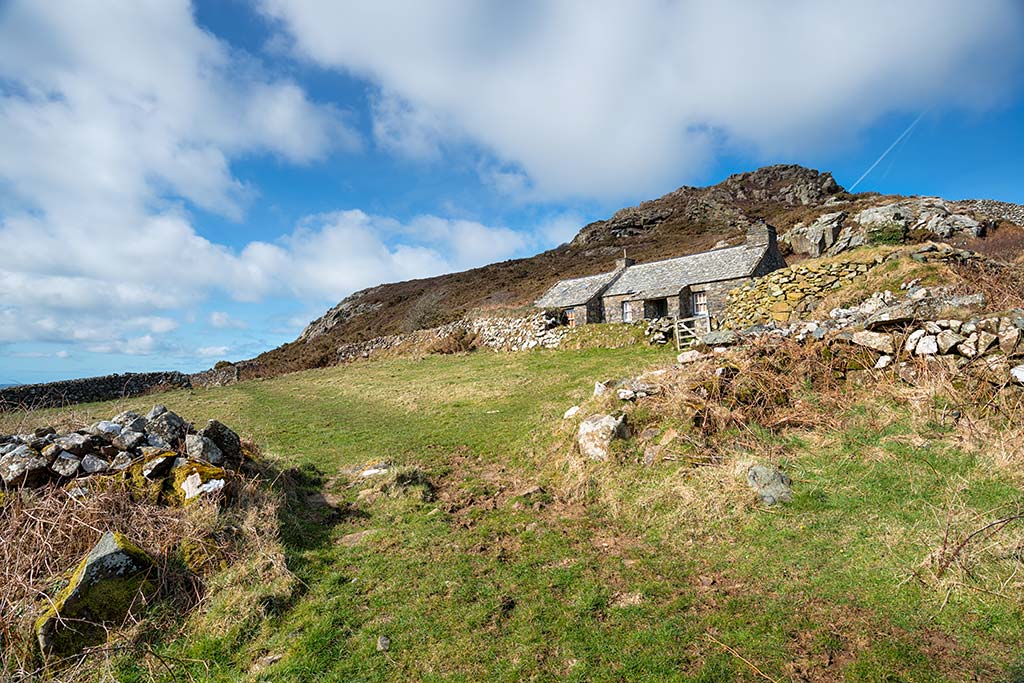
(108,582)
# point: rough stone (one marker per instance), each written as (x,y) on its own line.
(688,356)
(127,440)
(76,444)
(202,448)
(720,338)
(105,429)
(597,432)
(24,466)
(195,478)
(66,465)
(947,341)
(927,346)
(224,438)
(912,340)
(93,465)
(168,426)
(1017,374)
(101,592)
(878,341)
(771,484)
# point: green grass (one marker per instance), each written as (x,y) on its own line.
(480,584)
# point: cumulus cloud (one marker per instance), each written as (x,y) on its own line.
(606,98)
(111,115)
(212,351)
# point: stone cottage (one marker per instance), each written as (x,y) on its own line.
(693,285)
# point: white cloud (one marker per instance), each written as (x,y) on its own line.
(222,320)
(607,98)
(212,351)
(112,115)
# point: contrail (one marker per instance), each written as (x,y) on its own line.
(886,152)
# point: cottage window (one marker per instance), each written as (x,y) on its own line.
(699,303)
(627,312)
(570,317)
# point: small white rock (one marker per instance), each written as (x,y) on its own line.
(569,414)
(688,356)
(883,362)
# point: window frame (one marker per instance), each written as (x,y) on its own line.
(627,312)
(699,300)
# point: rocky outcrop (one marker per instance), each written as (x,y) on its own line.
(1013,213)
(88,390)
(350,307)
(108,582)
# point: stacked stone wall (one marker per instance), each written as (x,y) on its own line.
(87,390)
(782,295)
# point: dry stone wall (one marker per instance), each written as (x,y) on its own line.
(87,390)
(784,294)
(498,333)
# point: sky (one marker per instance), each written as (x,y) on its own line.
(182,183)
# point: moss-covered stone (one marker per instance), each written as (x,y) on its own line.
(101,592)
(194,479)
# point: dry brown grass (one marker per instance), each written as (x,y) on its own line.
(44,533)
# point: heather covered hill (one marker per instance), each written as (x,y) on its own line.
(688,220)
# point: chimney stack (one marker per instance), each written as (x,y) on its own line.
(623,263)
(761,234)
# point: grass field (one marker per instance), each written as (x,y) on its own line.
(668,572)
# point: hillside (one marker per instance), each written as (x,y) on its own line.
(688,220)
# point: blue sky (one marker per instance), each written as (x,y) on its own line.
(185,182)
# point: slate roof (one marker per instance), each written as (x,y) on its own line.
(665,278)
(575,292)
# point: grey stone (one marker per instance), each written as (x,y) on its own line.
(625,394)
(130,421)
(169,427)
(93,465)
(122,462)
(76,617)
(225,439)
(24,467)
(947,341)
(720,338)
(202,448)
(66,465)
(127,440)
(383,643)
(105,429)
(771,484)
(76,444)
(156,411)
(878,341)
(927,346)
(688,357)
(597,432)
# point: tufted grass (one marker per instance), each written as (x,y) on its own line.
(475,574)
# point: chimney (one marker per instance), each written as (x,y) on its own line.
(761,234)
(623,263)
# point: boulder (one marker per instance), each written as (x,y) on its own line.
(107,583)
(1017,374)
(224,438)
(156,466)
(1009,336)
(947,341)
(927,346)
(24,466)
(105,429)
(128,439)
(597,432)
(815,239)
(625,394)
(202,448)
(771,484)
